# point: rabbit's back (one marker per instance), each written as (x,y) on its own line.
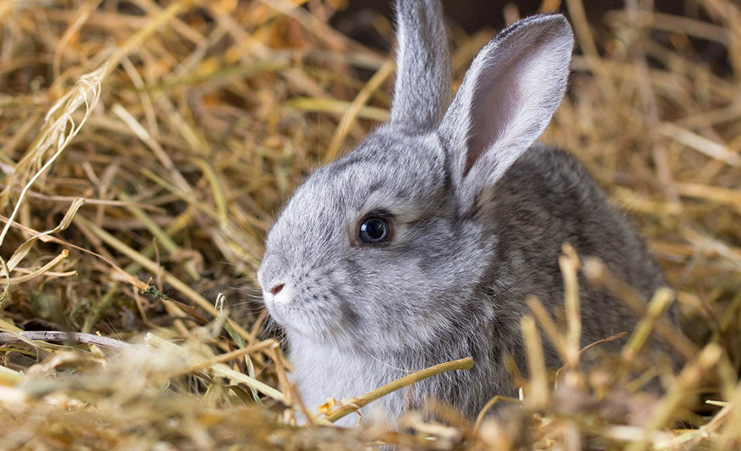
(548,198)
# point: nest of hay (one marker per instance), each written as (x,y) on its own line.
(145,146)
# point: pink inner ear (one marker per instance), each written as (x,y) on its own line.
(506,101)
(497,101)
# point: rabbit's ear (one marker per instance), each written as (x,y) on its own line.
(506,101)
(422,91)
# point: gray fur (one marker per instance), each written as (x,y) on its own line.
(423,67)
(478,226)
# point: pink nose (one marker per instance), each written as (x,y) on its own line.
(277,289)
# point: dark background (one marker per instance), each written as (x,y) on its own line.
(474,14)
(471,15)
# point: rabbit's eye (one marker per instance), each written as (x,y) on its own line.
(375,230)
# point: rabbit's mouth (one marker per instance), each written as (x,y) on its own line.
(305,320)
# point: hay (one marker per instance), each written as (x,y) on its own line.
(154,141)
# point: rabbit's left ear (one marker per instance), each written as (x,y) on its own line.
(506,101)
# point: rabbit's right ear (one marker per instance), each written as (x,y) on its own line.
(506,101)
(422,91)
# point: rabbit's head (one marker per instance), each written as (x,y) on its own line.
(383,249)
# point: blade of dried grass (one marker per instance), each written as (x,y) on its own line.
(163,237)
(91,201)
(58,132)
(216,190)
(9,377)
(214,75)
(731,318)
(701,240)
(188,32)
(144,97)
(23,250)
(229,230)
(151,25)
(247,47)
(678,396)
(32,337)
(549,326)
(537,395)
(16,140)
(729,14)
(153,267)
(353,404)
(180,223)
(336,106)
(650,105)
(669,22)
(154,146)
(202,207)
(82,15)
(328,35)
(596,272)
(190,134)
(712,430)
(490,405)
(281,372)
(569,264)
(351,115)
(217,369)
(588,46)
(233,355)
(41,271)
(661,301)
(700,144)
(717,194)
(125,275)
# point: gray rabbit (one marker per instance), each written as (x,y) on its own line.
(421,245)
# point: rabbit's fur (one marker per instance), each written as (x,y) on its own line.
(478,225)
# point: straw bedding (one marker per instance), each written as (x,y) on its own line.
(145,147)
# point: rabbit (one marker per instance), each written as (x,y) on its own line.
(422,244)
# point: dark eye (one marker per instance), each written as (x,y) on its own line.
(375,230)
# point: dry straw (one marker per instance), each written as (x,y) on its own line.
(153,141)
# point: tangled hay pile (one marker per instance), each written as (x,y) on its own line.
(145,145)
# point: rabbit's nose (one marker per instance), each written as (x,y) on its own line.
(277,288)
(279,293)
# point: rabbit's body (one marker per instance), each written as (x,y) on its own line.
(545,198)
(421,245)
(563,204)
